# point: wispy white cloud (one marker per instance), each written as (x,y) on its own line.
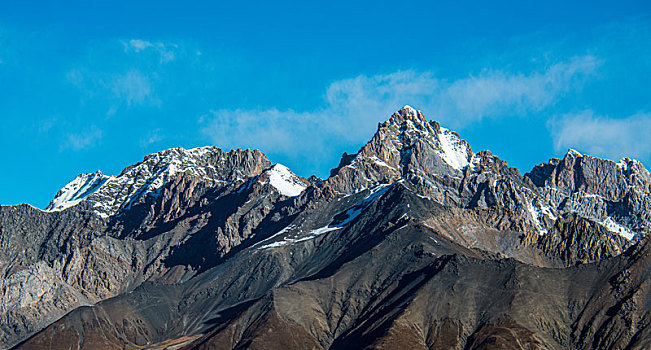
(132,77)
(152,136)
(127,88)
(83,140)
(497,93)
(353,106)
(137,45)
(457,102)
(271,129)
(133,87)
(45,125)
(165,50)
(603,136)
(117,76)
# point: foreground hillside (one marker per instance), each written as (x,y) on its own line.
(415,241)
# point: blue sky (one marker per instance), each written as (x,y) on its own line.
(88,86)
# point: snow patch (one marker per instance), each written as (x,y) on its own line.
(535,214)
(380,162)
(574,152)
(592,195)
(626,163)
(548,212)
(317,232)
(453,150)
(612,226)
(357,209)
(285,181)
(101,214)
(77,190)
(350,214)
(475,162)
(273,245)
(289,240)
(409,109)
(286,229)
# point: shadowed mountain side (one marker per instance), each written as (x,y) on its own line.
(402,281)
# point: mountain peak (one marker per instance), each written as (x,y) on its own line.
(77,190)
(573,153)
(409,118)
(285,181)
(408,109)
(412,127)
(407,144)
(110,194)
(191,233)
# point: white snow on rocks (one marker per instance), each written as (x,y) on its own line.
(453,149)
(548,212)
(110,193)
(284,230)
(413,125)
(574,152)
(289,240)
(615,227)
(380,162)
(286,182)
(409,110)
(351,214)
(77,190)
(354,212)
(535,214)
(627,163)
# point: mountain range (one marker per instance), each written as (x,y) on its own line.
(413,242)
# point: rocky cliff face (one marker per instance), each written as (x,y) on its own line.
(614,194)
(415,241)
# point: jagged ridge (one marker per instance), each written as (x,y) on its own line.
(228,241)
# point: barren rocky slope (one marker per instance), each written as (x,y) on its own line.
(415,241)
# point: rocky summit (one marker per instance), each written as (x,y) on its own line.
(413,242)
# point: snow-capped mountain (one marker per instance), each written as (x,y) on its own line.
(446,144)
(108,195)
(414,241)
(77,190)
(284,181)
(407,146)
(445,169)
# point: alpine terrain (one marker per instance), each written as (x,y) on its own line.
(413,242)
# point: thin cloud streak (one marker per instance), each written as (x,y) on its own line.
(131,78)
(127,88)
(164,49)
(603,136)
(352,107)
(83,140)
(497,93)
(133,87)
(152,137)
